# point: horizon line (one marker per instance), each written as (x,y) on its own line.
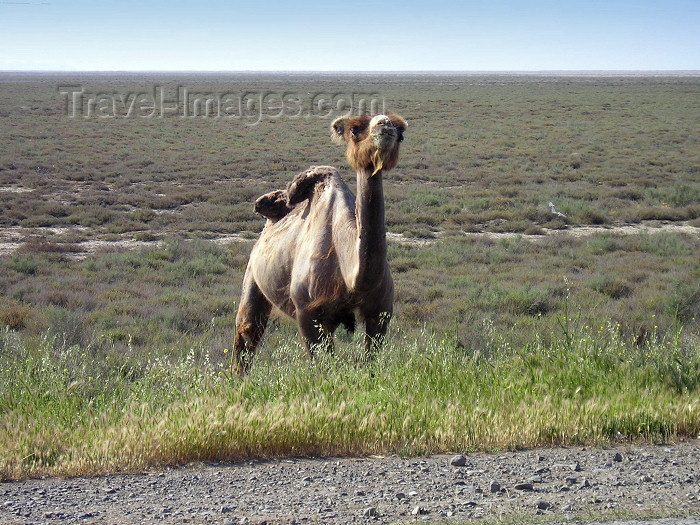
(376,72)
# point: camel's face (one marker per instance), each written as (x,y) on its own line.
(373,142)
(383,133)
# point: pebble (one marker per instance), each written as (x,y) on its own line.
(543,505)
(370,512)
(458,461)
(617,457)
(495,487)
(523,486)
(417,511)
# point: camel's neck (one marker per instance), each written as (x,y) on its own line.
(371,230)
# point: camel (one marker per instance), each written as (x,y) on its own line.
(324,262)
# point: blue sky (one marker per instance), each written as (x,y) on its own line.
(489,35)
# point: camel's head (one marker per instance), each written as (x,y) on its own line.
(372,141)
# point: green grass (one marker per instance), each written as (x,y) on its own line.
(71,410)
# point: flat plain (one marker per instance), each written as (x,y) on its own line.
(126,221)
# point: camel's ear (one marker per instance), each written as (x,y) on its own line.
(338,130)
(399,123)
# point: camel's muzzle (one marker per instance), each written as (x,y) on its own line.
(384,135)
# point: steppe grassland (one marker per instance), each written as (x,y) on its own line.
(497,341)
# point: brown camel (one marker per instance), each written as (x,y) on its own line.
(324,262)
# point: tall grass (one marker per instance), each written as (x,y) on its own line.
(66,410)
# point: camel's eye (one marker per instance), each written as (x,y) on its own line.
(400,135)
(355,131)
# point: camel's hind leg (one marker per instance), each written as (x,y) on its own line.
(251,321)
(313,333)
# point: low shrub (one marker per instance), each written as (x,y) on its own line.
(15,317)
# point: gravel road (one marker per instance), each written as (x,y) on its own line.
(560,483)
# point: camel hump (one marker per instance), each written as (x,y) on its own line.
(303,185)
(272,205)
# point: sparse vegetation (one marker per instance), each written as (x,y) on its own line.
(116,355)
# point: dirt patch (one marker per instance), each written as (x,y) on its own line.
(14,189)
(400,238)
(572,231)
(584,231)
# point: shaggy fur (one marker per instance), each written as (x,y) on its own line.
(276,204)
(303,185)
(273,206)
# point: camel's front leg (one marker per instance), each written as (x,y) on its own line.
(377,313)
(253,313)
(375,329)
